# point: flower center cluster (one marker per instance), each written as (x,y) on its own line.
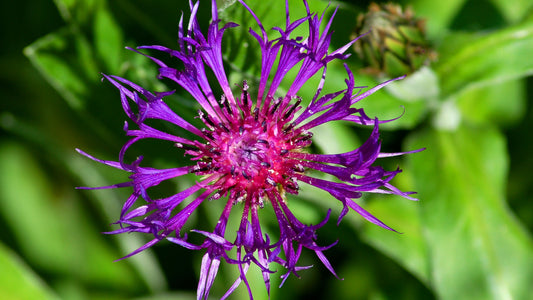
(249,149)
(248,153)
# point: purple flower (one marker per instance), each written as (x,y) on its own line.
(252,149)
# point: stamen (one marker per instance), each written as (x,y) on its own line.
(241,197)
(271,181)
(224,102)
(207,134)
(289,128)
(185,147)
(215,151)
(291,110)
(292,186)
(207,167)
(291,189)
(197,168)
(261,202)
(245,98)
(207,120)
(304,137)
(265,142)
(214,197)
(299,168)
(223,126)
(277,103)
(193,169)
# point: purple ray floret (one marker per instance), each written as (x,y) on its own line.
(252,148)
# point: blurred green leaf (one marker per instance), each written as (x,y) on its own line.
(67,60)
(18,281)
(513,10)
(76,11)
(108,39)
(92,174)
(438,14)
(25,192)
(421,85)
(73,58)
(51,227)
(469,61)
(335,137)
(170,296)
(501,103)
(477,249)
(385,106)
(62,58)
(409,248)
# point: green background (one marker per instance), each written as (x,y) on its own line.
(469,236)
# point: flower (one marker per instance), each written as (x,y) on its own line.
(252,149)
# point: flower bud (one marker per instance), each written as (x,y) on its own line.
(395,43)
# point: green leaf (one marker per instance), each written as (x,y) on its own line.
(501,103)
(76,11)
(335,137)
(477,249)
(513,10)
(438,14)
(396,100)
(108,39)
(409,248)
(170,296)
(64,59)
(24,195)
(51,227)
(92,174)
(18,281)
(470,61)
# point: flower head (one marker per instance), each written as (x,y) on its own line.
(251,149)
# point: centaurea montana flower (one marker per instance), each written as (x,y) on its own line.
(252,149)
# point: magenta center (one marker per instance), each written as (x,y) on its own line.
(253,154)
(248,150)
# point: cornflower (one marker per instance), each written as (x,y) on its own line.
(252,149)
